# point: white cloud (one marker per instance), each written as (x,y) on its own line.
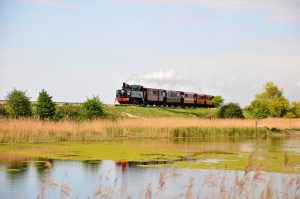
(277,10)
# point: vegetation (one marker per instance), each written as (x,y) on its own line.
(45,107)
(217,101)
(3,111)
(231,110)
(270,103)
(92,108)
(35,131)
(295,109)
(18,104)
(67,112)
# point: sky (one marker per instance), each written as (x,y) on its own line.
(78,49)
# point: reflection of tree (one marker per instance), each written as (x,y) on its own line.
(91,165)
(16,171)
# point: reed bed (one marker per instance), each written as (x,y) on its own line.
(33,130)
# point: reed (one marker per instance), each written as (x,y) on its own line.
(36,131)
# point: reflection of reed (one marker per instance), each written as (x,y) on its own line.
(31,130)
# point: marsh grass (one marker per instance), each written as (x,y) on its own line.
(36,131)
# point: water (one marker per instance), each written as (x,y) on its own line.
(191,176)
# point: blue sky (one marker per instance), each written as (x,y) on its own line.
(77,49)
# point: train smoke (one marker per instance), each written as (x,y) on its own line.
(163,78)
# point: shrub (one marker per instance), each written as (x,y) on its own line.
(3,111)
(67,111)
(217,101)
(231,110)
(92,108)
(18,104)
(45,107)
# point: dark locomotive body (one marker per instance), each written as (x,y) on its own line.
(137,94)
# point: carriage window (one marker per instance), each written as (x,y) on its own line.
(155,92)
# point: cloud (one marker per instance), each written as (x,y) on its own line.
(277,10)
(52,3)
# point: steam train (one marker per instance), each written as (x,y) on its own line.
(139,95)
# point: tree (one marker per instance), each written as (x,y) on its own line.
(45,106)
(18,104)
(259,108)
(217,101)
(231,110)
(278,106)
(92,108)
(270,102)
(295,109)
(270,92)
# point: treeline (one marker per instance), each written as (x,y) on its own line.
(19,106)
(270,103)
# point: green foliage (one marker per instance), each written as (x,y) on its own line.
(278,106)
(92,108)
(270,102)
(18,104)
(45,107)
(289,115)
(270,92)
(295,109)
(3,111)
(218,101)
(231,110)
(259,109)
(67,112)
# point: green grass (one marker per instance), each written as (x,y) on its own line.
(114,112)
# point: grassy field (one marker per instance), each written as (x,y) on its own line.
(154,112)
(36,131)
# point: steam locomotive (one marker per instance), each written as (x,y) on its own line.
(139,95)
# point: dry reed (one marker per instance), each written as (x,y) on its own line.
(33,130)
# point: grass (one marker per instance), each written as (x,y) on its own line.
(36,131)
(155,112)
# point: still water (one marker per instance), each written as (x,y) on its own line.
(190,176)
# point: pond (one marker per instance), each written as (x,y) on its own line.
(152,168)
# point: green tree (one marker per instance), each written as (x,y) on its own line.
(92,108)
(45,107)
(270,92)
(217,101)
(259,108)
(18,104)
(270,102)
(295,109)
(278,106)
(231,110)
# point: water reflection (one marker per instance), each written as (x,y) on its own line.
(22,177)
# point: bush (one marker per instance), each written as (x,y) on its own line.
(3,111)
(45,107)
(67,111)
(18,104)
(92,108)
(217,101)
(231,110)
